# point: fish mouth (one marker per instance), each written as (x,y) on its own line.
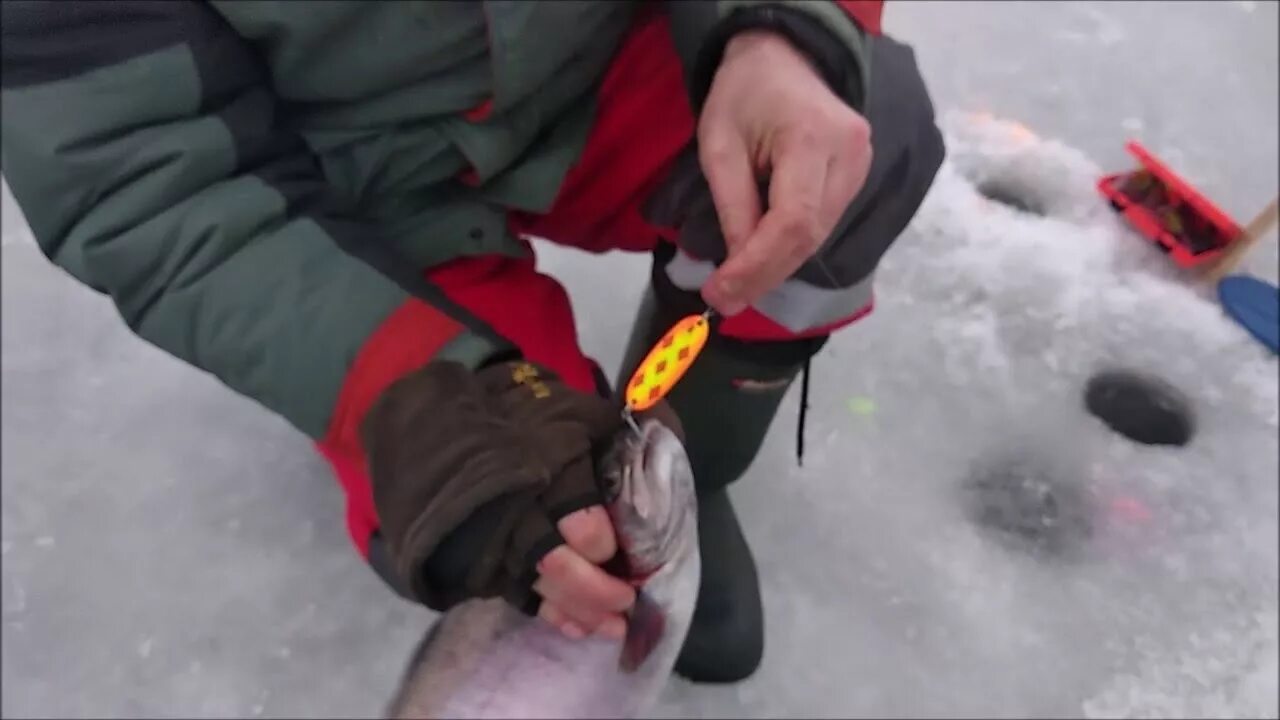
(648,454)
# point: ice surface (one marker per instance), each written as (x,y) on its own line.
(990,323)
(169,549)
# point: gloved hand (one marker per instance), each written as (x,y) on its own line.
(472,474)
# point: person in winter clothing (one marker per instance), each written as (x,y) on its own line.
(328,207)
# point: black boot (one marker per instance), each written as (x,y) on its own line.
(726,639)
(726,402)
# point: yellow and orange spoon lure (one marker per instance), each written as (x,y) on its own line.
(667,362)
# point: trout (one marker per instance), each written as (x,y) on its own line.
(485,659)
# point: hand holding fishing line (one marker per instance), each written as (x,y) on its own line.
(770,114)
(797,124)
(788,126)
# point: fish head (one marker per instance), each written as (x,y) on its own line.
(649,493)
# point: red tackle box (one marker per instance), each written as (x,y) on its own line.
(1173,215)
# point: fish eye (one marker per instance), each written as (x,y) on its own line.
(611,487)
(610,477)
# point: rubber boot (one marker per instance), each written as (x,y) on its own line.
(726,403)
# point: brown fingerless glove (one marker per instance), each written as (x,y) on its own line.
(511,439)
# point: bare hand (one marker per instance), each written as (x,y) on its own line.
(769,113)
(577,596)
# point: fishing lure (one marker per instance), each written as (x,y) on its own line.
(668,360)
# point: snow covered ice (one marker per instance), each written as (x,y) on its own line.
(990,321)
(197,537)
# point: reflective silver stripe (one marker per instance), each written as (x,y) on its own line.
(795,305)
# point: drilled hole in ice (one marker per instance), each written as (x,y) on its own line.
(1144,408)
(1011,195)
(1028,505)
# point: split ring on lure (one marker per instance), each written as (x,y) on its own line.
(666,363)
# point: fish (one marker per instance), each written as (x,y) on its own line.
(485,659)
